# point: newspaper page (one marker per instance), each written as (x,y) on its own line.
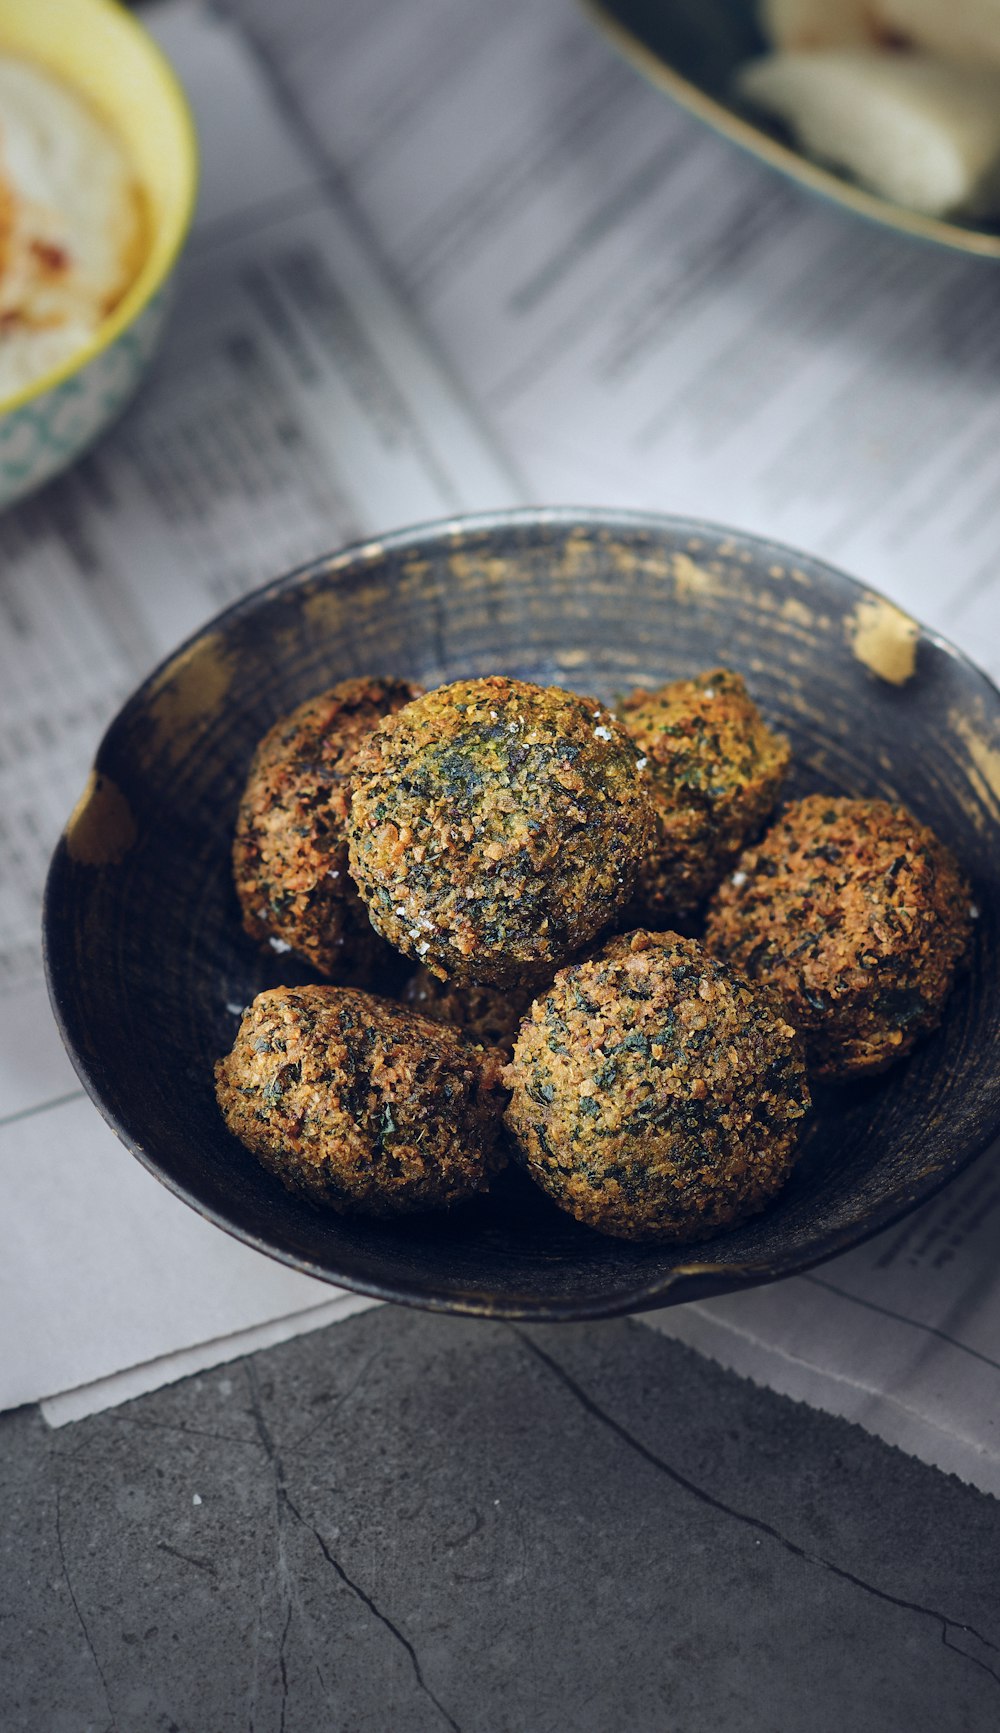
(646,317)
(582,296)
(649,318)
(294,407)
(900,1335)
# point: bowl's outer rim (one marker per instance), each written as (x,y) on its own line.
(687,1281)
(160,262)
(978,243)
(613,519)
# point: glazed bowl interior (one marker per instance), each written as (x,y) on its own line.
(148,966)
(693,49)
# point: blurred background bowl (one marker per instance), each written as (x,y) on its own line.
(102,52)
(692,50)
(148,966)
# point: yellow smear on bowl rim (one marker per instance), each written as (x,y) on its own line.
(101,828)
(885,639)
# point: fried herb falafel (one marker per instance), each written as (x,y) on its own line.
(290,848)
(858,916)
(361,1104)
(714,769)
(657,1094)
(496,827)
(484,1014)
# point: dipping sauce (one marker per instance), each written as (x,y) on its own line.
(71,223)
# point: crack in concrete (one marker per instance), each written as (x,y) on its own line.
(375,1611)
(265,1442)
(185,1431)
(263,1434)
(201,1564)
(95,1441)
(948,1625)
(285,1501)
(80,1618)
(310,1432)
(282,1668)
(252,1703)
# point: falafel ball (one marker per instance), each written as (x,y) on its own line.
(714,768)
(360,1104)
(496,827)
(858,916)
(657,1094)
(485,1014)
(290,848)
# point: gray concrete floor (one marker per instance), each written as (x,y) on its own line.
(407,1524)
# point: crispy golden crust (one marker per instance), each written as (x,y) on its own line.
(495,827)
(657,1094)
(714,769)
(858,916)
(361,1104)
(290,848)
(484,1014)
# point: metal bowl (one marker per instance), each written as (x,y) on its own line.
(148,967)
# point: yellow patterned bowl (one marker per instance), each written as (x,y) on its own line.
(96,47)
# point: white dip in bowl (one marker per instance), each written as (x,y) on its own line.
(71,223)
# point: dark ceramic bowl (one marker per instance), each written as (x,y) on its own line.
(692,50)
(148,966)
